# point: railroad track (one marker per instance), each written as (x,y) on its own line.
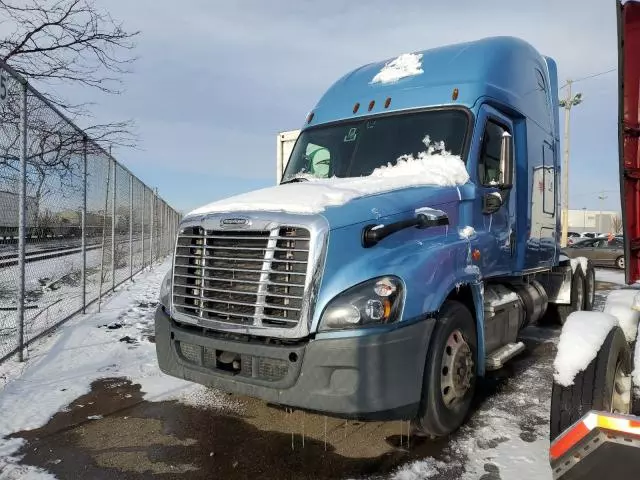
(11,259)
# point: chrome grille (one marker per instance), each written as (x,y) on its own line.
(248,278)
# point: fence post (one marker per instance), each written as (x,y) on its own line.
(144,206)
(153,204)
(22,218)
(130,226)
(113,228)
(83,220)
(104,237)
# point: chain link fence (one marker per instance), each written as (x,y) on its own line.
(74,223)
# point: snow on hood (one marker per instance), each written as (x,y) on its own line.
(406,65)
(430,168)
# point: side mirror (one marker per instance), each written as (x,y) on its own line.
(506,160)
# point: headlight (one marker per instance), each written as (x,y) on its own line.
(374,302)
(165,290)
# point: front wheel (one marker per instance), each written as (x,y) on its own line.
(620,263)
(450,372)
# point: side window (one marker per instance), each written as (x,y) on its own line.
(319,160)
(489,164)
(542,88)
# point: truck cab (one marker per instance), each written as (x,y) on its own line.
(413,233)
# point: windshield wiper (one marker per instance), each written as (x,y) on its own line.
(294,180)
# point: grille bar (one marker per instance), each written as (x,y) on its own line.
(284,272)
(252,278)
(238,280)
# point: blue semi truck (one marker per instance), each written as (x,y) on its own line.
(415,231)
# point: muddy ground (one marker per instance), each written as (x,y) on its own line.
(112,433)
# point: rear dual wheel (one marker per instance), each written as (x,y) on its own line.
(583,294)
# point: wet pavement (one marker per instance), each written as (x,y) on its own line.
(112,433)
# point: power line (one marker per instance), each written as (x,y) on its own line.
(589,77)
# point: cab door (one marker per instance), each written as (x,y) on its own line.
(496,191)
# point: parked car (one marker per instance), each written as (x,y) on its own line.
(572,237)
(600,251)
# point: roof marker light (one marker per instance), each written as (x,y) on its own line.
(356,107)
(454,95)
(371,104)
(387,102)
(310,117)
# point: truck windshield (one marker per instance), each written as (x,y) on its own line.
(356,148)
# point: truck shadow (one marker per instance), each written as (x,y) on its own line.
(113,433)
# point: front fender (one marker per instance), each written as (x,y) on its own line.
(429,267)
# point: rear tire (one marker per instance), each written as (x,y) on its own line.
(589,287)
(558,313)
(592,388)
(447,391)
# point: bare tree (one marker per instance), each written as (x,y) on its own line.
(616,224)
(52,42)
(70,41)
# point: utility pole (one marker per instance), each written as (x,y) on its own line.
(567,103)
(584,219)
(602,197)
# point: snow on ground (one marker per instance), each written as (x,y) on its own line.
(620,304)
(54,290)
(405,65)
(435,166)
(610,276)
(112,343)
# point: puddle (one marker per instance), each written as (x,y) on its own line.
(113,433)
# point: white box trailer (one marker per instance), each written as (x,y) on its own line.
(285,143)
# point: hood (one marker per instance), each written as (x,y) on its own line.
(410,183)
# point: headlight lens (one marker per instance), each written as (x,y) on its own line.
(374,302)
(165,290)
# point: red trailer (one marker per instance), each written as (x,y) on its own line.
(595,430)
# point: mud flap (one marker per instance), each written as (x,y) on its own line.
(599,446)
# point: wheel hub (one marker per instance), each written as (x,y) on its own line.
(457,369)
(621,395)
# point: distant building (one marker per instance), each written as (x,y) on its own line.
(592,221)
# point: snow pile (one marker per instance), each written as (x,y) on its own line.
(636,371)
(467,232)
(620,304)
(405,65)
(435,167)
(420,470)
(582,261)
(582,336)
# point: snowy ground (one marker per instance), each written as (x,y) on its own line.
(54,289)
(61,368)
(91,402)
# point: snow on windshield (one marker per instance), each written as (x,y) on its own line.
(435,166)
(406,65)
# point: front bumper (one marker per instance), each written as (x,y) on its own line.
(372,377)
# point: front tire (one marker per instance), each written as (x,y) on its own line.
(604,385)
(620,263)
(450,372)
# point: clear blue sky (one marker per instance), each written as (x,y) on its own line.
(215,81)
